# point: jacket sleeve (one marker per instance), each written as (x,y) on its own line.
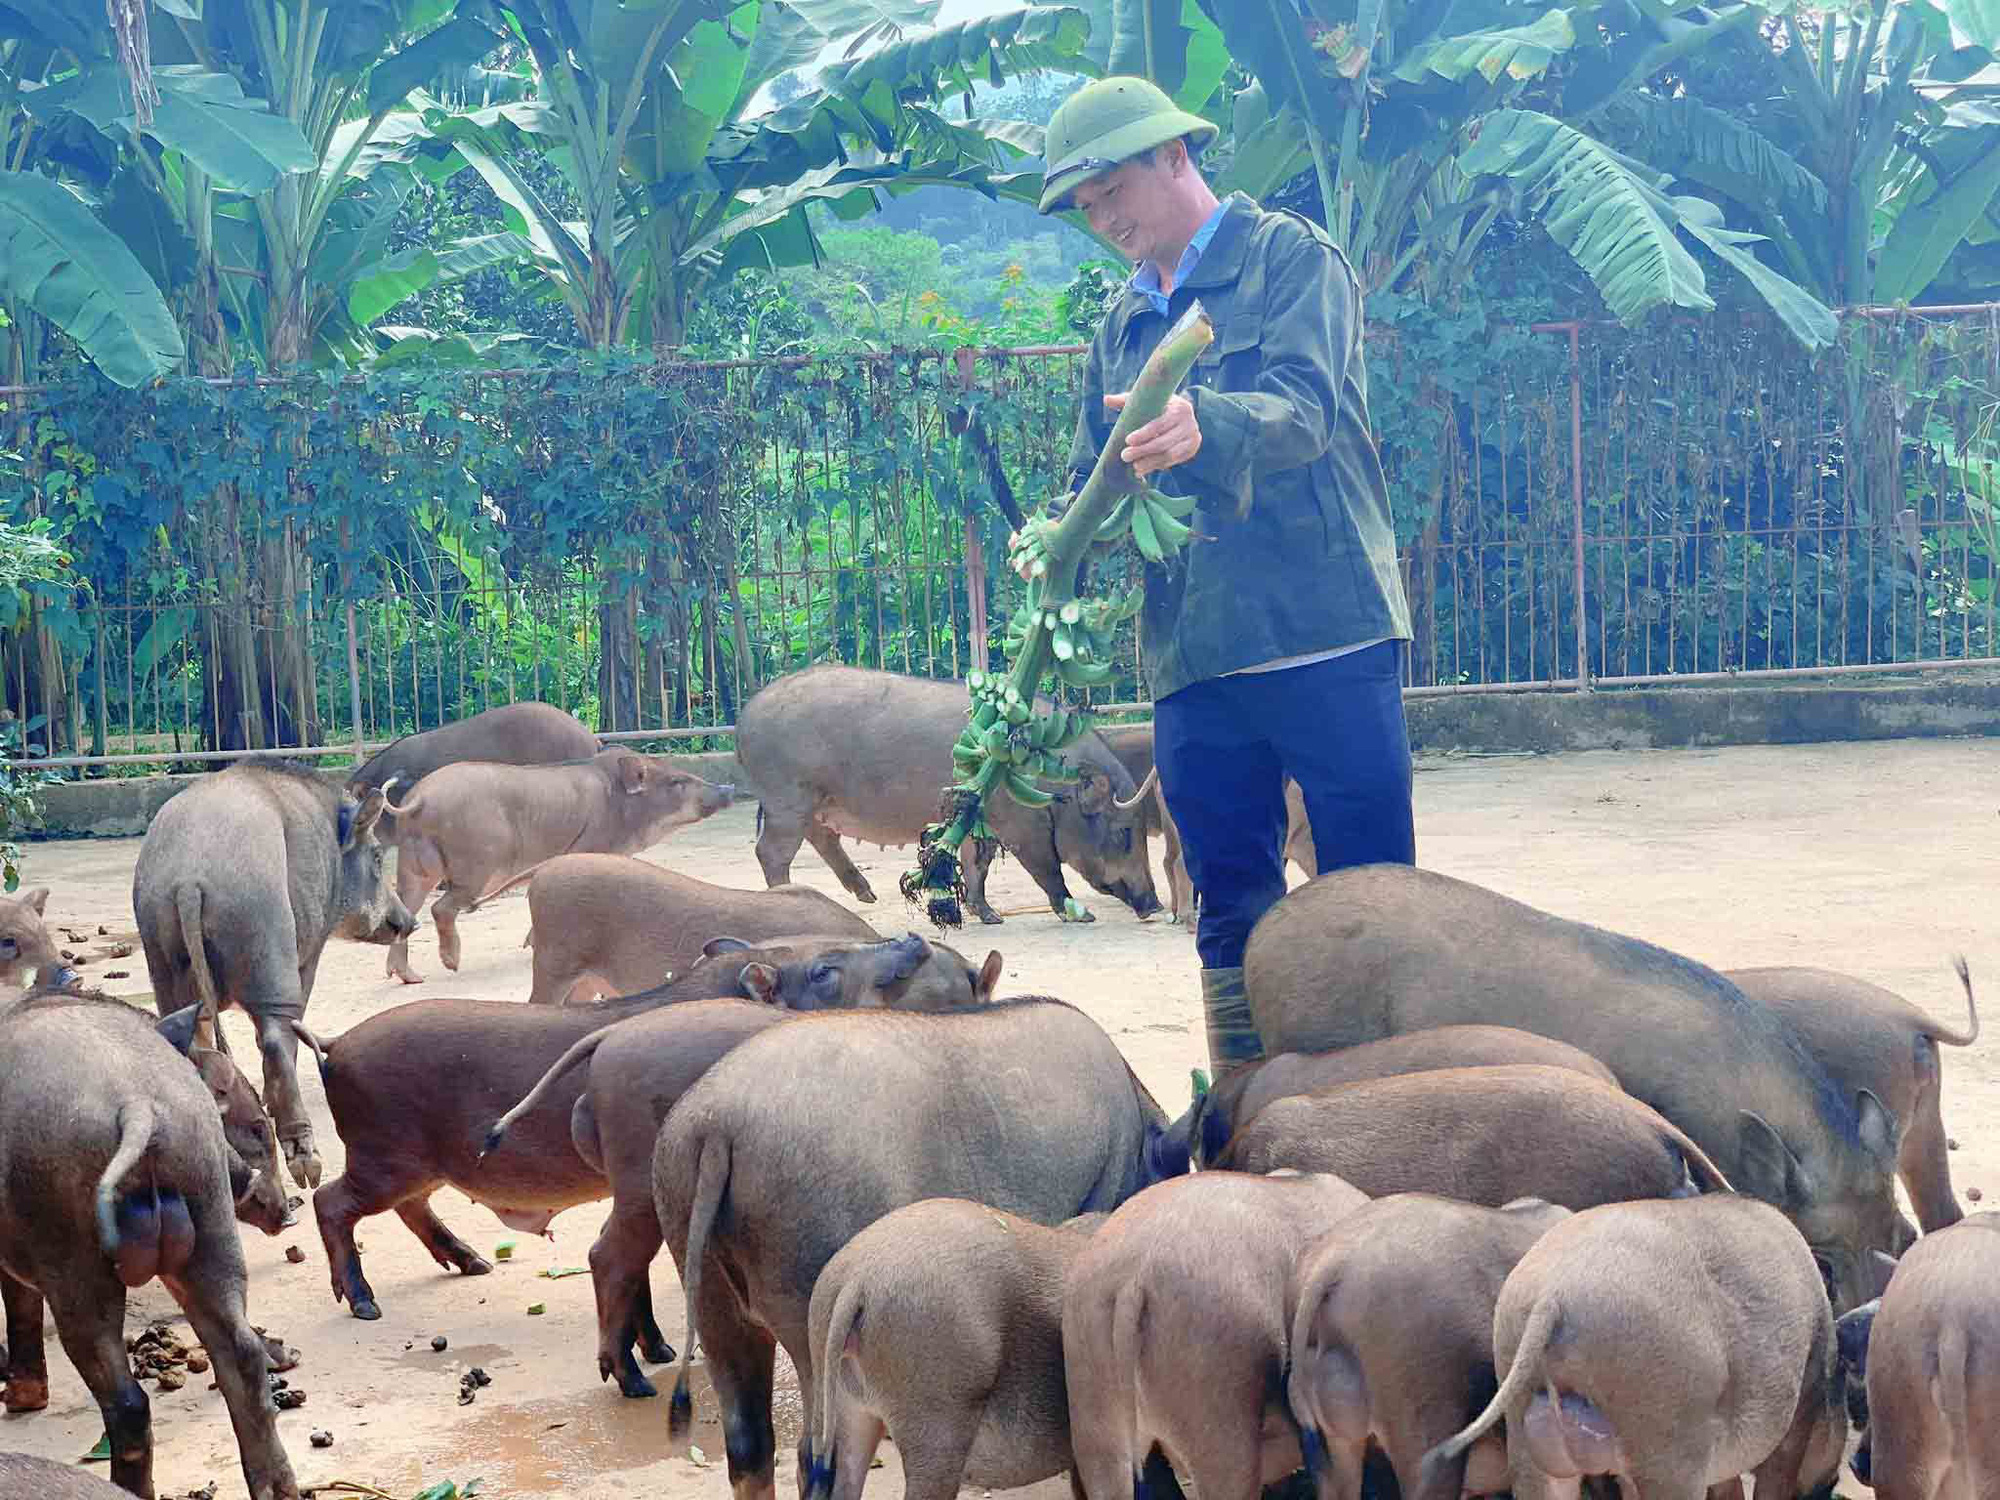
(1311,320)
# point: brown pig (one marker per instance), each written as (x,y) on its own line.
(1174,1332)
(25,1478)
(1869,1038)
(514,734)
(624,924)
(941,1325)
(406,1135)
(114,1171)
(1242,1091)
(1480,1135)
(640,1066)
(26,949)
(1930,1356)
(475,828)
(1391,1316)
(1673,1346)
(240,882)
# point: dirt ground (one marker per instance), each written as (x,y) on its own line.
(1874,859)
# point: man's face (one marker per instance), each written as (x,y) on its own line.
(1133,204)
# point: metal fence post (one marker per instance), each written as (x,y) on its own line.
(975,551)
(1576,494)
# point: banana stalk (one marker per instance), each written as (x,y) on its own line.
(1055,629)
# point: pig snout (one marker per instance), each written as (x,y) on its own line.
(1142,899)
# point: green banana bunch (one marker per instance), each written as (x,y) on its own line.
(1028,548)
(1156,529)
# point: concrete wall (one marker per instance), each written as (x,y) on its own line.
(1919,706)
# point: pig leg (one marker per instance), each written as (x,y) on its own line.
(27,1362)
(975,864)
(741,1356)
(857,1433)
(366,1189)
(210,1292)
(279,1044)
(653,1345)
(933,1457)
(89,1304)
(419,870)
(780,831)
(620,1260)
(444,912)
(1180,887)
(1923,1164)
(827,842)
(446,1248)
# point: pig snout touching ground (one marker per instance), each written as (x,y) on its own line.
(1869,1038)
(406,1137)
(623,924)
(1480,1135)
(905,973)
(1384,950)
(941,1325)
(25,1478)
(1675,1346)
(239,883)
(1174,1332)
(1241,1092)
(1391,1317)
(26,949)
(474,829)
(810,1131)
(1929,1357)
(514,734)
(114,1171)
(837,750)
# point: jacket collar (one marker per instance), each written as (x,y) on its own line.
(1221,262)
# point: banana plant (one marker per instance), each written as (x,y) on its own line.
(1010,744)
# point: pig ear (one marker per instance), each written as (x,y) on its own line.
(987,980)
(632,774)
(717,945)
(760,982)
(1093,790)
(1878,1128)
(1771,1170)
(908,954)
(37,900)
(178,1028)
(357,822)
(217,1071)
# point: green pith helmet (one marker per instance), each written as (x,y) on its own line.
(1107,122)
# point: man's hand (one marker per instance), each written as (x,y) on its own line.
(1171,438)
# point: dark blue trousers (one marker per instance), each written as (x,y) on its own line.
(1224,748)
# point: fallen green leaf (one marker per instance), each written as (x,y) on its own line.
(502,1251)
(698,1458)
(101,1454)
(536,1309)
(556,1273)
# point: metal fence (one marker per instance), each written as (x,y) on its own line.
(1701,500)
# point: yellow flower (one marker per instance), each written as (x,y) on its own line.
(1014,271)
(927,299)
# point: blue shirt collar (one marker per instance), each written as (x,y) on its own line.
(1146,279)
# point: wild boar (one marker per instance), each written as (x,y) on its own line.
(474,828)
(941,1325)
(26,949)
(1382,950)
(114,1171)
(1240,1092)
(1480,1135)
(405,1136)
(623,924)
(26,1478)
(1391,1317)
(812,1130)
(1930,1358)
(1191,1277)
(514,734)
(240,881)
(839,750)
(1868,1038)
(1674,1346)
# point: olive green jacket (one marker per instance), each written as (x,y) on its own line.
(1294,549)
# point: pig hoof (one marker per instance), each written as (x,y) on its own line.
(302,1162)
(25,1394)
(475,1265)
(636,1387)
(657,1351)
(365,1309)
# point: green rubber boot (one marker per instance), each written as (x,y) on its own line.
(1232,1036)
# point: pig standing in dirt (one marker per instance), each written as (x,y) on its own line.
(841,750)
(623,924)
(941,1325)
(515,734)
(1868,1038)
(26,948)
(640,1066)
(1383,950)
(474,828)
(1241,1092)
(240,881)
(406,1136)
(1673,1346)
(114,1171)
(1480,1135)
(812,1130)
(1391,1316)
(1930,1356)
(1175,1336)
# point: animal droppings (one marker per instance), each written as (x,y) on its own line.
(1951,1143)
(1973,1194)
(439,1343)
(321,1438)
(295,1255)
(288,1399)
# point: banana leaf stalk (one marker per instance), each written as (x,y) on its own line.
(1007,746)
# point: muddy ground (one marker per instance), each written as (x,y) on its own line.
(1875,859)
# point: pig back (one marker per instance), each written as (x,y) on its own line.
(23,1477)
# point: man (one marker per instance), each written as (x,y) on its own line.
(1275,640)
